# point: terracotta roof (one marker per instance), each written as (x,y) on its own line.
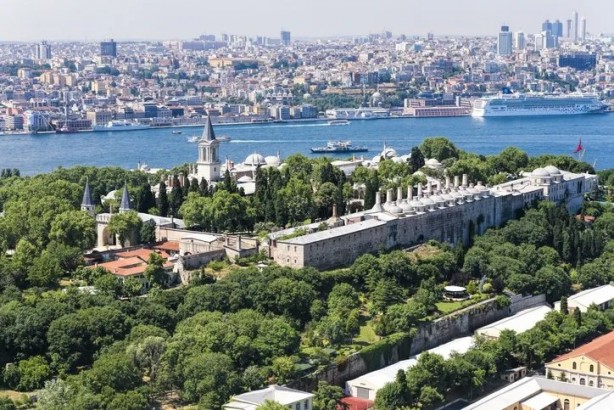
(141,253)
(355,403)
(168,246)
(600,349)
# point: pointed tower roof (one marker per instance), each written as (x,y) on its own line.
(125,204)
(208,133)
(87,195)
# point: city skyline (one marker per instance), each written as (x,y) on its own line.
(32,20)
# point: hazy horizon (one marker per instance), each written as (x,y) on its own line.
(33,20)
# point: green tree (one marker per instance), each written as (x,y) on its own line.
(327,397)
(33,372)
(126,226)
(45,270)
(74,228)
(416,159)
(148,232)
(271,405)
(163,204)
(439,148)
(154,272)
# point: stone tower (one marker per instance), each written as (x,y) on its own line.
(86,202)
(208,164)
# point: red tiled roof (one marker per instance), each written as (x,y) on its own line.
(600,349)
(356,403)
(141,253)
(168,246)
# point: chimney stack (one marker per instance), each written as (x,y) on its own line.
(419,190)
(456,181)
(465,180)
(410,193)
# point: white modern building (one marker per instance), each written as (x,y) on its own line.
(519,323)
(539,393)
(291,398)
(602,297)
(367,386)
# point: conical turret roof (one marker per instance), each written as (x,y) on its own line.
(87,195)
(208,133)
(125,204)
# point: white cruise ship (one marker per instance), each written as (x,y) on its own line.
(120,126)
(516,105)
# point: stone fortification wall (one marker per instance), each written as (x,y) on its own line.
(429,335)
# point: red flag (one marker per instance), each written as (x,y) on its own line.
(579,148)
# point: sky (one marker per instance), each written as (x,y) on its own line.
(93,20)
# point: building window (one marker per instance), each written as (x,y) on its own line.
(566,404)
(573,365)
(590,383)
(592,368)
(582,381)
(306,405)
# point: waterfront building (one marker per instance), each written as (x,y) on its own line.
(589,365)
(108,48)
(504,44)
(451,214)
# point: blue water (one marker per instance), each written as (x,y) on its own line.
(160,148)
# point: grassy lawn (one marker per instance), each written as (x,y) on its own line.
(366,335)
(447,307)
(11,394)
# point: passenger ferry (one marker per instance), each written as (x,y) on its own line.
(338,147)
(120,126)
(519,105)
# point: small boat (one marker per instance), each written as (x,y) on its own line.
(223,138)
(338,147)
(177,132)
(195,138)
(338,122)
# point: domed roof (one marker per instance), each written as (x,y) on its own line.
(254,159)
(406,206)
(245,178)
(393,208)
(552,170)
(377,94)
(437,198)
(448,197)
(540,172)
(388,153)
(428,201)
(432,163)
(416,203)
(272,160)
(418,173)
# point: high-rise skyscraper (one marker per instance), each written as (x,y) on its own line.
(575,26)
(42,51)
(285,38)
(547,26)
(583,29)
(108,48)
(519,41)
(569,34)
(504,45)
(557,28)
